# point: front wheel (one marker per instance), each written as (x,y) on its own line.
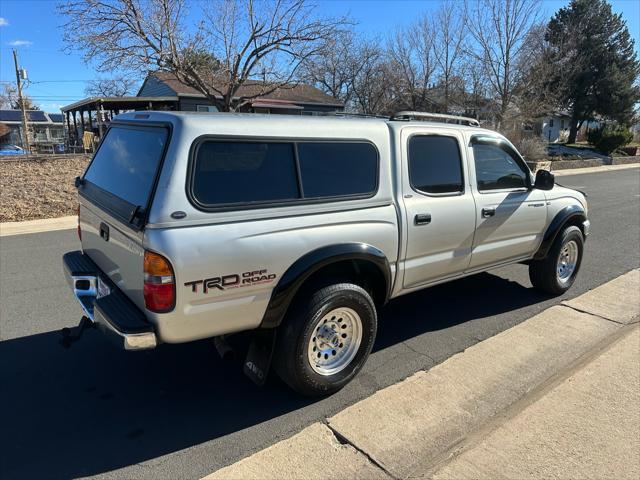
(326,339)
(556,273)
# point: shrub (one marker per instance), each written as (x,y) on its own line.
(532,148)
(609,138)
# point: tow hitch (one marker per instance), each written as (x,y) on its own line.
(73,334)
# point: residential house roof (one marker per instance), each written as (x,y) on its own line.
(296,94)
(14,117)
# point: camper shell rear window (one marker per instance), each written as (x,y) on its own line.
(122,174)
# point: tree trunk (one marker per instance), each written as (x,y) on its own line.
(573,129)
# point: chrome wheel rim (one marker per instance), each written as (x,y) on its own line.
(567,261)
(335,341)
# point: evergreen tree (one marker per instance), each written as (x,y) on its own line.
(595,67)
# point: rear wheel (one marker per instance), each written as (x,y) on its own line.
(556,273)
(326,339)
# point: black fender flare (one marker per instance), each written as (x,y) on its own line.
(569,214)
(310,263)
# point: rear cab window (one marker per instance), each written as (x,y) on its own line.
(246,174)
(435,165)
(122,174)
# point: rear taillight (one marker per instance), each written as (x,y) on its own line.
(159,283)
(79,229)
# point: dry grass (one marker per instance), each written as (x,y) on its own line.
(32,189)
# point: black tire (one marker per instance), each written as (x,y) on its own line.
(291,360)
(543,273)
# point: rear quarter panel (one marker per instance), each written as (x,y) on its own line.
(249,258)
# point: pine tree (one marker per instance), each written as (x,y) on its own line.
(595,67)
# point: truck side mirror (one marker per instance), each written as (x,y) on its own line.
(545,180)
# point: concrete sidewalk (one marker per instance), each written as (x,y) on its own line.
(550,397)
(588,426)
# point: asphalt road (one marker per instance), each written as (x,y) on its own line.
(180,412)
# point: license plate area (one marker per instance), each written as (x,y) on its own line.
(102,289)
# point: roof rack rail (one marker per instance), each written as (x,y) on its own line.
(436,117)
(353,114)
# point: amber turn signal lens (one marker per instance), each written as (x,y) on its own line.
(159,283)
(156,265)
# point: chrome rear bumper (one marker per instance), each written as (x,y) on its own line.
(106,305)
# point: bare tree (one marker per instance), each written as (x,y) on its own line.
(413,63)
(371,85)
(9,99)
(476,88)
(534,98)
(499,28)
(111,87)
(334,67)
(249,40)
(449,36)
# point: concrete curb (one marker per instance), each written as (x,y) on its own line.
(415,423)
(38,226)
(603,168)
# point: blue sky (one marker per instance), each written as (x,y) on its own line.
(57,79)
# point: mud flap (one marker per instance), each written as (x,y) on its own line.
(72,335)
(259,356)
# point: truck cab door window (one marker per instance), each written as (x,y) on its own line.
(497,169)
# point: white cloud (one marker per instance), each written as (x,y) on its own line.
(3,22)
(20,43)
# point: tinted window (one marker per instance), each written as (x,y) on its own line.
(434,164)
(127,161)
(335,169)
(241,172)
(497,169)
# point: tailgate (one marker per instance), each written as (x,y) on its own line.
(115,248)
(115,195)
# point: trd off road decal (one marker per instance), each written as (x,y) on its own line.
(234,280)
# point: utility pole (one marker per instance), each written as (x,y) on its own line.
(25,126)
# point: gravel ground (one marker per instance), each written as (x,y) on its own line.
(31,189)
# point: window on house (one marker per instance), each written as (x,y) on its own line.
(562,123)
(206,108)
(435,165)
(551,122)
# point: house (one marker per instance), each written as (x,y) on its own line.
(46,129)
(299,99)
(555,127)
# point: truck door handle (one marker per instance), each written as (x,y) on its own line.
(488,212)
(422,219)
(104,231)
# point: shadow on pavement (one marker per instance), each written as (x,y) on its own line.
(92,409)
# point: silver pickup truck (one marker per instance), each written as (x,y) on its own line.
(299,228)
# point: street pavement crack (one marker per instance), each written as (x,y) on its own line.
(345,441)
(419,352)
